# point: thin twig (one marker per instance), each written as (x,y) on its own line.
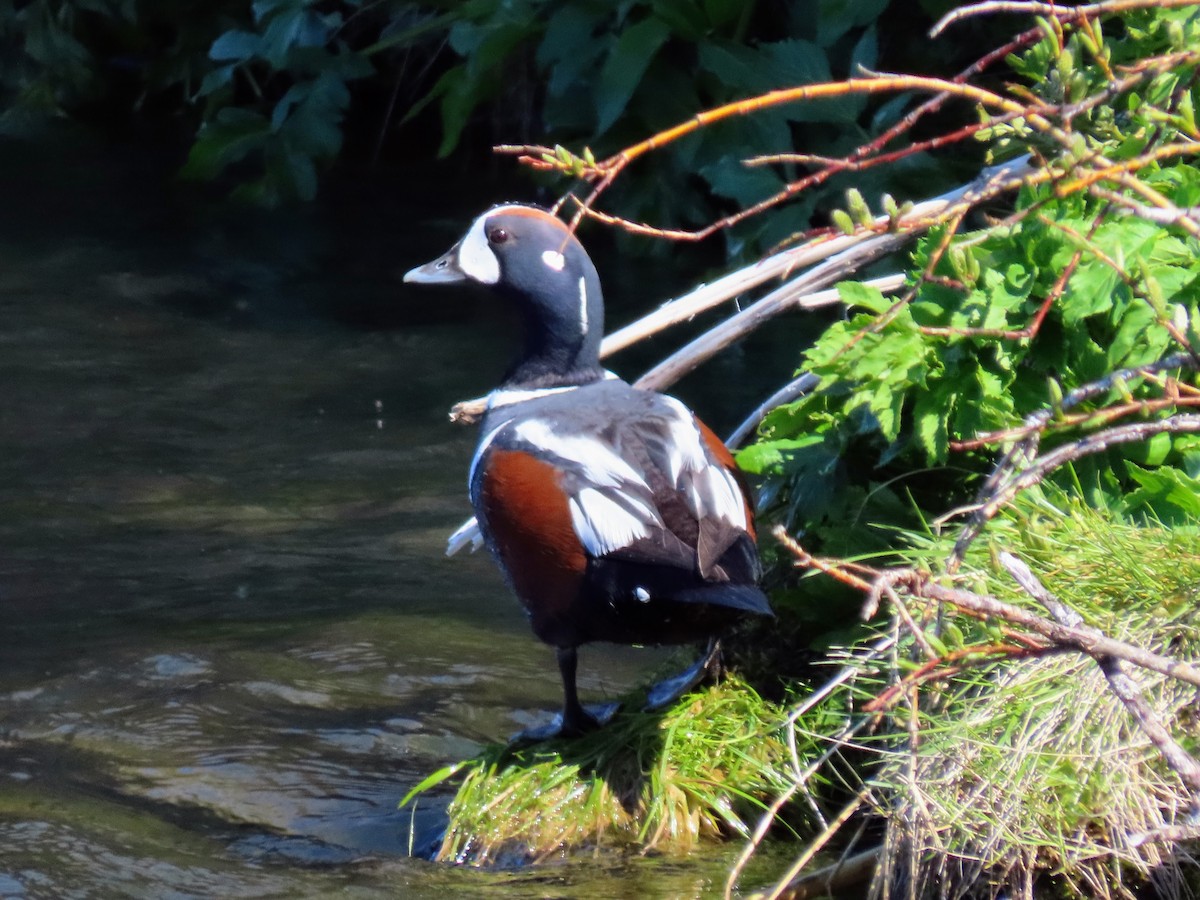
(1067,13)
(1007,487)
(817,844)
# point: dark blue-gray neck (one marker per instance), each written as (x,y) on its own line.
(563,320)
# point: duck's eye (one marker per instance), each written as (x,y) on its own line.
(497,236)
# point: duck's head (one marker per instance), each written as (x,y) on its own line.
(529,256)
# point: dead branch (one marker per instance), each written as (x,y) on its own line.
(1063,13)
(793,390)
(1084,638)
(1003,487)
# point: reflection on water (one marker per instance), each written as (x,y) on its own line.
(231,640)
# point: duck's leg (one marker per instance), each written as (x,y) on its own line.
(574,719)
(671,689)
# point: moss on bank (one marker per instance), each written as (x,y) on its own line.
(662,780)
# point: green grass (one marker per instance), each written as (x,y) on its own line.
(665,780)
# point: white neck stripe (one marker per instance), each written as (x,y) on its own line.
(583,318)
(509,396)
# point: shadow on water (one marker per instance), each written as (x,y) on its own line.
(231,639)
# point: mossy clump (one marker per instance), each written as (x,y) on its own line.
(663,780)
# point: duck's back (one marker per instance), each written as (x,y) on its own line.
(615,513)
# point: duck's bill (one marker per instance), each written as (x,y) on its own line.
(443,270)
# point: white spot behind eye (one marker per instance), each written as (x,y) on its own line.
(554,260)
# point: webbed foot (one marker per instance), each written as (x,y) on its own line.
(567,725)
(671,689)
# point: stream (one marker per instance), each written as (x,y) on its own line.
(231,639)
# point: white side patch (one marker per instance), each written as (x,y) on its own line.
(583,320)
(475,257)
(602,467)
(467,534)
(603,525)
(710,489)
(553,260)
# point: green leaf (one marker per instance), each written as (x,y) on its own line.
(685,18)
(235,45)
(931,416)
(767,456)
(623,70)
(745,184)
(836,17)
(1169,493)
(433,780)
(569,48)
(216,79)
(293,29)
(1139,339)
(228,138)
(722,13)
(854,294)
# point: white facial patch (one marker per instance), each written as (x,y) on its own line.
(475,257)
(553,260)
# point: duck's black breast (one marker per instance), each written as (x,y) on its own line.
(614,513)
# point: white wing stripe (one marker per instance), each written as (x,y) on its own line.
(603,525)
(601,466)
(711,490)
(717,496)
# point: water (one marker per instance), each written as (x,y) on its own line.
(231,641)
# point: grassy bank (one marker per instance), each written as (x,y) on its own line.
(965,757)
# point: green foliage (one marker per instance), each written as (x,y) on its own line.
(615,73)
(270,82)
(902,381)
(288,136)
(43,63)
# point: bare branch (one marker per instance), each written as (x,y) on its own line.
(1002,487)
(1065,13)
(1084,638)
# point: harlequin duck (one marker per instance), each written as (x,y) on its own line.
(615,514)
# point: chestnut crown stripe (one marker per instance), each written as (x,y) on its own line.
(476,258)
